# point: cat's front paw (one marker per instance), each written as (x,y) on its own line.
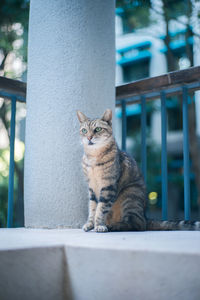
(88,226)
(101,228)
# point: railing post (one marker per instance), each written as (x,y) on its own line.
(186,157)
(124,125)
(164,157)
(143,138)
(11,166)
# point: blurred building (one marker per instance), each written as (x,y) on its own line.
(141,54)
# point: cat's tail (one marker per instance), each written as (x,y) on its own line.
(173,225)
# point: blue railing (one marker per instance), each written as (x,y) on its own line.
(161,87)
(180,82)
(14,91)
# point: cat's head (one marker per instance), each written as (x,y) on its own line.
(95,132)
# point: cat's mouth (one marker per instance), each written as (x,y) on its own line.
(90,143)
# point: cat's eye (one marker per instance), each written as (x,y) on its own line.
(97,129)
(84,130)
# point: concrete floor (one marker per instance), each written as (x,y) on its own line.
(159,241)
(71,264)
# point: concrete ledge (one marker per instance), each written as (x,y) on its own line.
(71,264)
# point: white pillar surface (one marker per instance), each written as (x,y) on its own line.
(71,65)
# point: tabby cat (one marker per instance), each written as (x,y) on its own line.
(117,193)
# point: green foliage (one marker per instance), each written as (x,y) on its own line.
(14,16)
(14,11)
(174,9)
(135,13)
(4,169)
(4,177)
(153,163)
(3,203)
(13,26)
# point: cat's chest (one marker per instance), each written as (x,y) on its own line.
(95,178)
(94,175)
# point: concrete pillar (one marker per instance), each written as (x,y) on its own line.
(71,66)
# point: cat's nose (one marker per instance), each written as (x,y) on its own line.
(89,138)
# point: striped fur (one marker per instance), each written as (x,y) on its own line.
(117,193)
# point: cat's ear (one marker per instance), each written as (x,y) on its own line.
(107,116)
(82,118)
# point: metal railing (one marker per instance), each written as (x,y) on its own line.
(14,91)
(179,82)
(174,83)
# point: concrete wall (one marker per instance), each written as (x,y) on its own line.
(34,274)
(71,66)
